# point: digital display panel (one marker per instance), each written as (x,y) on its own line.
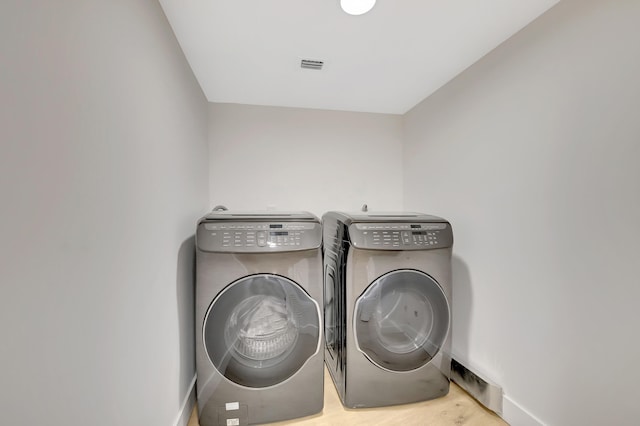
(419,233)
(275,226)
(415,226)
(278,233)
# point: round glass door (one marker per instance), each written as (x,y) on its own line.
(261,330)
(402,320)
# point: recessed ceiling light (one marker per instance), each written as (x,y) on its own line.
(357,7)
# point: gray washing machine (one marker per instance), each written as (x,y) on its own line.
(259,354)
(387,306)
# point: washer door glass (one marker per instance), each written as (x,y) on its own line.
(402,320)
(261,329)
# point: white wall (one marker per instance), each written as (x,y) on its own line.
(103,173)
(303,159)
(532,153)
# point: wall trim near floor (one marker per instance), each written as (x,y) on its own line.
(515,415)
(187,405)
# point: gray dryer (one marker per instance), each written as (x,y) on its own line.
(387,306)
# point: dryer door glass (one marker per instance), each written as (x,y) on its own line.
(401,320)
(261,329)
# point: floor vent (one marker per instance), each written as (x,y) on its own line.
(311,64)
(486,393)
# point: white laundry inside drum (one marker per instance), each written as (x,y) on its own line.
(261,328)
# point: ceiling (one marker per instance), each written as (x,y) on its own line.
(386,61)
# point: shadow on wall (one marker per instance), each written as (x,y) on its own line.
(185,292)
(462,309)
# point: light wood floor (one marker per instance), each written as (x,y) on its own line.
(455,409)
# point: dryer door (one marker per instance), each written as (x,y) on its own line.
(401,320)
(261,329)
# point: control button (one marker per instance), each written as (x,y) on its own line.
(405,238)
(261,237)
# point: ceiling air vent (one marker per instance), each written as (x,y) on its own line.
(311,64)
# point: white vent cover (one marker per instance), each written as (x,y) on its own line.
(311,64)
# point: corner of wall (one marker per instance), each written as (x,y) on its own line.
(186,408)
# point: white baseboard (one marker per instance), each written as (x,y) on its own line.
(187,405)
(515,415)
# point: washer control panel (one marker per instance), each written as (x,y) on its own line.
(401,236)
(252,237)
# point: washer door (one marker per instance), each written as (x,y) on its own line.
(401,320)
(261,329)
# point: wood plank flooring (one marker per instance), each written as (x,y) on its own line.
(455,409)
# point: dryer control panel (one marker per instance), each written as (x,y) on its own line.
(401,236)
(258,237)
